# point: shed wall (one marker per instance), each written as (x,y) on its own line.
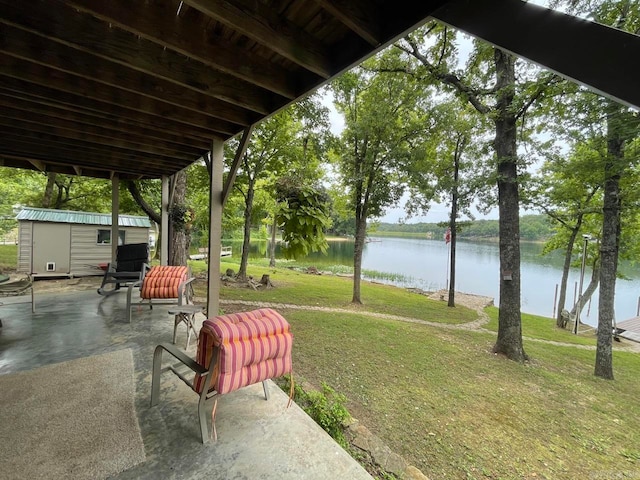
(85,253)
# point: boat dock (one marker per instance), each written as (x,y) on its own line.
(629,329)
(203,253)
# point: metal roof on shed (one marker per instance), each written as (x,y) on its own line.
(88,218)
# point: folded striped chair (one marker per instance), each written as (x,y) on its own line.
(234,351)
(163,282)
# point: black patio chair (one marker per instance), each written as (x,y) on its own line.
(131,260)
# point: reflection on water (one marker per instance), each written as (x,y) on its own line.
(423,263)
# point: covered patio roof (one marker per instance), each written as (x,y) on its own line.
(141,88)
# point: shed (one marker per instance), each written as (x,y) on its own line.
(59,243)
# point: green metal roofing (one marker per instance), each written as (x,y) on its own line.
(88,218)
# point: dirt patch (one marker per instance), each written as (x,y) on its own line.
(469,300)
(66,284)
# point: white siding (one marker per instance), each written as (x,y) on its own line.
(86,254)
(136,235)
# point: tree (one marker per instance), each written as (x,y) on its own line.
(382,122)
(303,216)
(568,190)
(622,126)
(448,172)
(287,142)
(488,84)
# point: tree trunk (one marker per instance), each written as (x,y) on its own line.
(610,242)
(248,208)
(132,186)
(180,237)
(509,340)
(562,298)
(272,246)
(358,248)
(452,222)
(48,191)
(586,296)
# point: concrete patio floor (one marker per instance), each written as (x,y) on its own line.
(257,439)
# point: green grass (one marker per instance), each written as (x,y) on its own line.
(298,288)
(444,402)
(8,257)
(544,328)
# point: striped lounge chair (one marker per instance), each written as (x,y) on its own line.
(234,351)
(163,283)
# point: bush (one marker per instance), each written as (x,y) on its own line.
(326,407)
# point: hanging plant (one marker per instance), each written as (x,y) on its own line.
(181,217)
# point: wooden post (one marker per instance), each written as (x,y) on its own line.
(555,301)
(215,227)
(164,222)
(115,209)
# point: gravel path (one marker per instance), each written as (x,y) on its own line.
(475,302)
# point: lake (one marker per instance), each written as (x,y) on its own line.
(422,263)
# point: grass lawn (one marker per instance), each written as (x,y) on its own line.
(441,399)
(297,288)
(8,257)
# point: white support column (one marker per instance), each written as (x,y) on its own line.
(164,222)
(215,227)
(115,209)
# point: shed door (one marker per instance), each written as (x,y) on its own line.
(51,248)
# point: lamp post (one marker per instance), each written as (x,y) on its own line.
(579,305)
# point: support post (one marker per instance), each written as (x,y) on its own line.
(215,227)
(115,209)
(164,222)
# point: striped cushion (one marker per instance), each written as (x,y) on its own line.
(163,281)
(253,346)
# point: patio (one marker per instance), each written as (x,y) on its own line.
(256,438)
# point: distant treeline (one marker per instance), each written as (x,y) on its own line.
(532,228)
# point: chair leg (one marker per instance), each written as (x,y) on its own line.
(189,329)
(203,416)
(155,376)
(176,321)
(129,291)
(265,387)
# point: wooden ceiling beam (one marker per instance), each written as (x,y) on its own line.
(64,167)
(83,155)
(586,52)
(358,16)
(64,129)
(41,51)
(51,114)
(84,151)
(48,77)
(165,28)
(88,34)
(263,24)
(17,88)
(70,156)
